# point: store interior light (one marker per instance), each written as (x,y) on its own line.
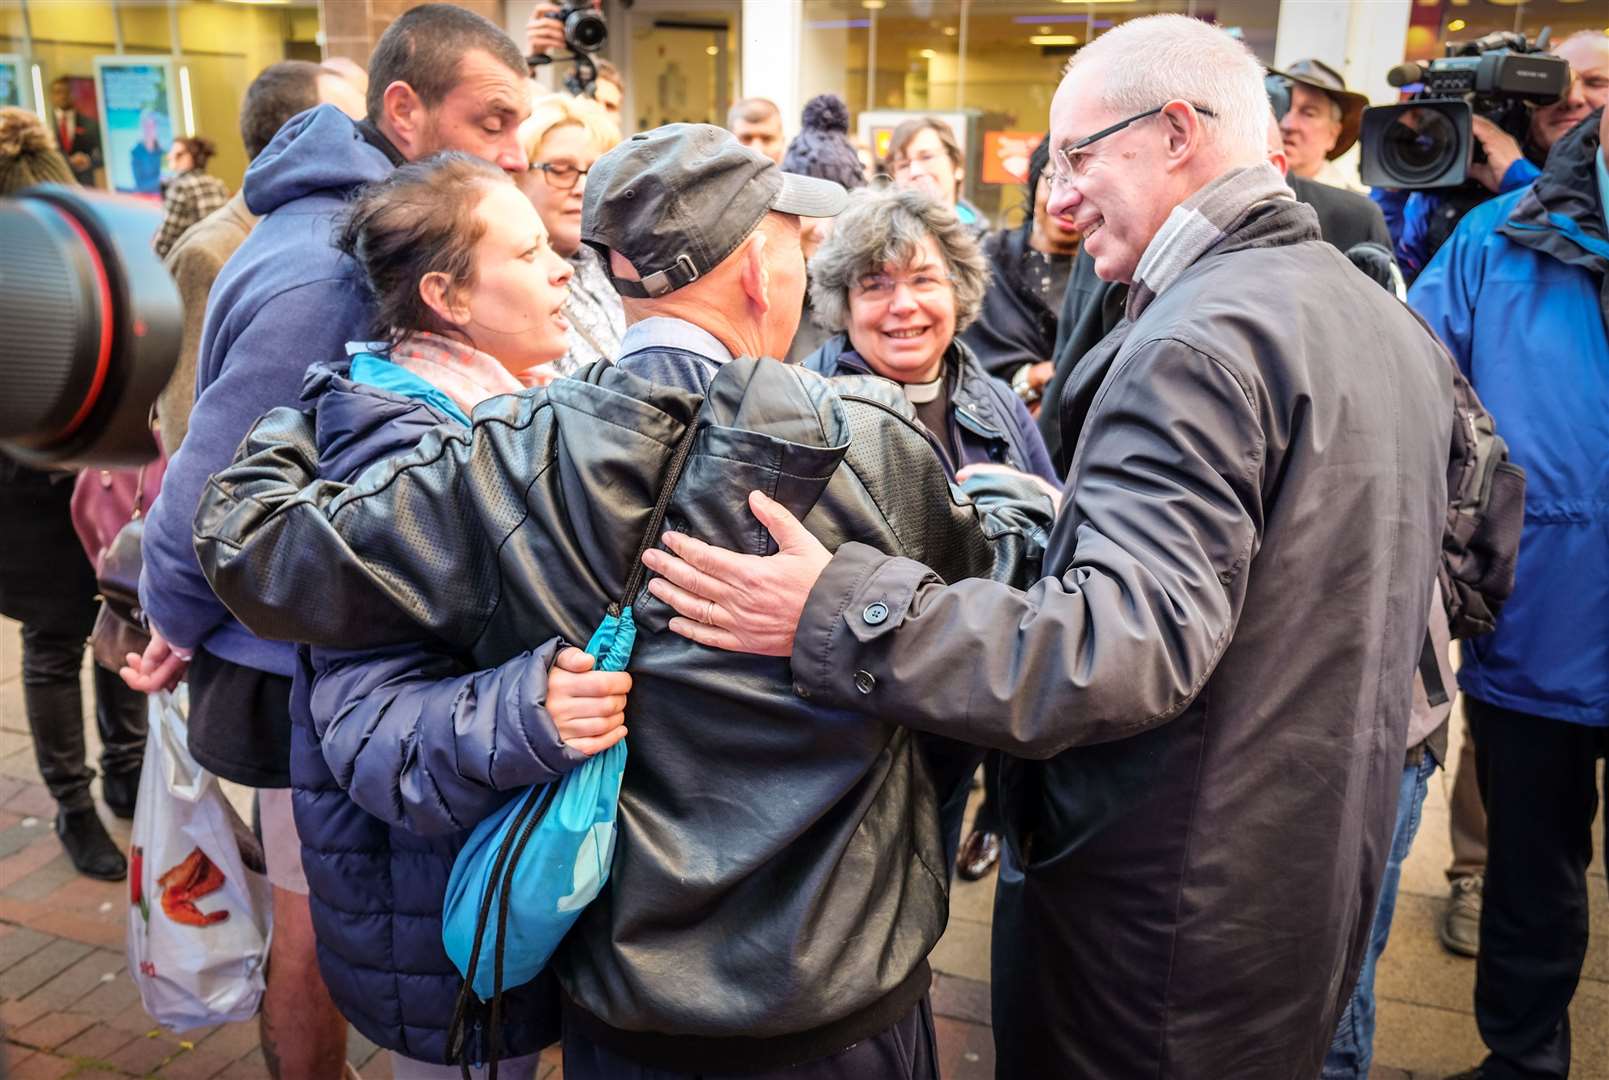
(187,103)
(261,3)
(1456,25)
(950,31)
(1053,39)
(713,50)
(927,54)
(873,5)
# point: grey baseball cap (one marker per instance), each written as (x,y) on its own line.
(677,200)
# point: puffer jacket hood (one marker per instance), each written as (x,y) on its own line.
(320,150)
(375,887)
(778,880)
(1520,295)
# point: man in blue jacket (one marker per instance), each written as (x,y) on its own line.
(1419,219)
(440,78)
(1519,296)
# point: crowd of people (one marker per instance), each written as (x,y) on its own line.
(1158,508)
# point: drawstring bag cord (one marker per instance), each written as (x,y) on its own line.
(611,644)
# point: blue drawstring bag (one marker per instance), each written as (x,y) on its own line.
(527,871)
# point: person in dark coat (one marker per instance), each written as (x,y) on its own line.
(970,417)
(1208,693)
(1015,335)
(78,137)
(48,585)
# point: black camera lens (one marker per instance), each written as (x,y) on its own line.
(1420,145)
(585,31)
(89,330)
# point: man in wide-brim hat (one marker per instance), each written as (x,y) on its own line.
(1322,122)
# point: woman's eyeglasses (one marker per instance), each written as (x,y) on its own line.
(559,175)
(882,286)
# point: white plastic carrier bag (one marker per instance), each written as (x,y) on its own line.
(200,907)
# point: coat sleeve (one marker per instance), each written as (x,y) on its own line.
(1167,507)
(408,549)
(423,745)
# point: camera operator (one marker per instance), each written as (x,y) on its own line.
(1509,166)
(575,29)
(1516,294)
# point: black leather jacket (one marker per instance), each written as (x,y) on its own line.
(778,880)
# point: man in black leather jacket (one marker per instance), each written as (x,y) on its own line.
(778,880)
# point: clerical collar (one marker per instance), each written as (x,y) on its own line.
(923,392)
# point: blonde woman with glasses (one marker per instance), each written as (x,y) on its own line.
(562,138)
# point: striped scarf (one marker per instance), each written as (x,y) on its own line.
(1197,225)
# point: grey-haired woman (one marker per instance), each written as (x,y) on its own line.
(897,280)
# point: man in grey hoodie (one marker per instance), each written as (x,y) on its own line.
(441,78)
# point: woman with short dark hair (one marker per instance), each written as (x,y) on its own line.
(898,278)
(189,194)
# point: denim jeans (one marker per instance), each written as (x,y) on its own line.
(1352,1048)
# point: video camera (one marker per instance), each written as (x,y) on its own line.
(89,329)
(584,34)
(1428,141)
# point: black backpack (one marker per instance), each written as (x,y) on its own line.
(1485,514)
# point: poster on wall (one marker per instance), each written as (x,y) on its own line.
(14,82)
(1006,154)
(138,105)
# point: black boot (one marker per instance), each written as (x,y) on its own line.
(120,791)
(88,845)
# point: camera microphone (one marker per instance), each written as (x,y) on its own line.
(1406,74)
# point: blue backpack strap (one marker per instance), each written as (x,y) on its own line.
(611,643)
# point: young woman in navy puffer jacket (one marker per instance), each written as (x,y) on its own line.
(397,753)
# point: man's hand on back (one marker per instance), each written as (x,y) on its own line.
(743,603)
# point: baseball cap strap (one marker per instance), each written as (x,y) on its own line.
(677,274)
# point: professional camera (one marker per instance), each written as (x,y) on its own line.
(584,28)
(1428,142)
(584,34)
(89,327)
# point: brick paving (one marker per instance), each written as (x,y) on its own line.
(68,1009)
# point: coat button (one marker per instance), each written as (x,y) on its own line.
(875,614)
(865,682)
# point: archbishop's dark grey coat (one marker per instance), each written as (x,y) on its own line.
(1214,678)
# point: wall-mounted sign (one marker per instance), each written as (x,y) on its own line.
(14,89)
(138,106)
(1006,154)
